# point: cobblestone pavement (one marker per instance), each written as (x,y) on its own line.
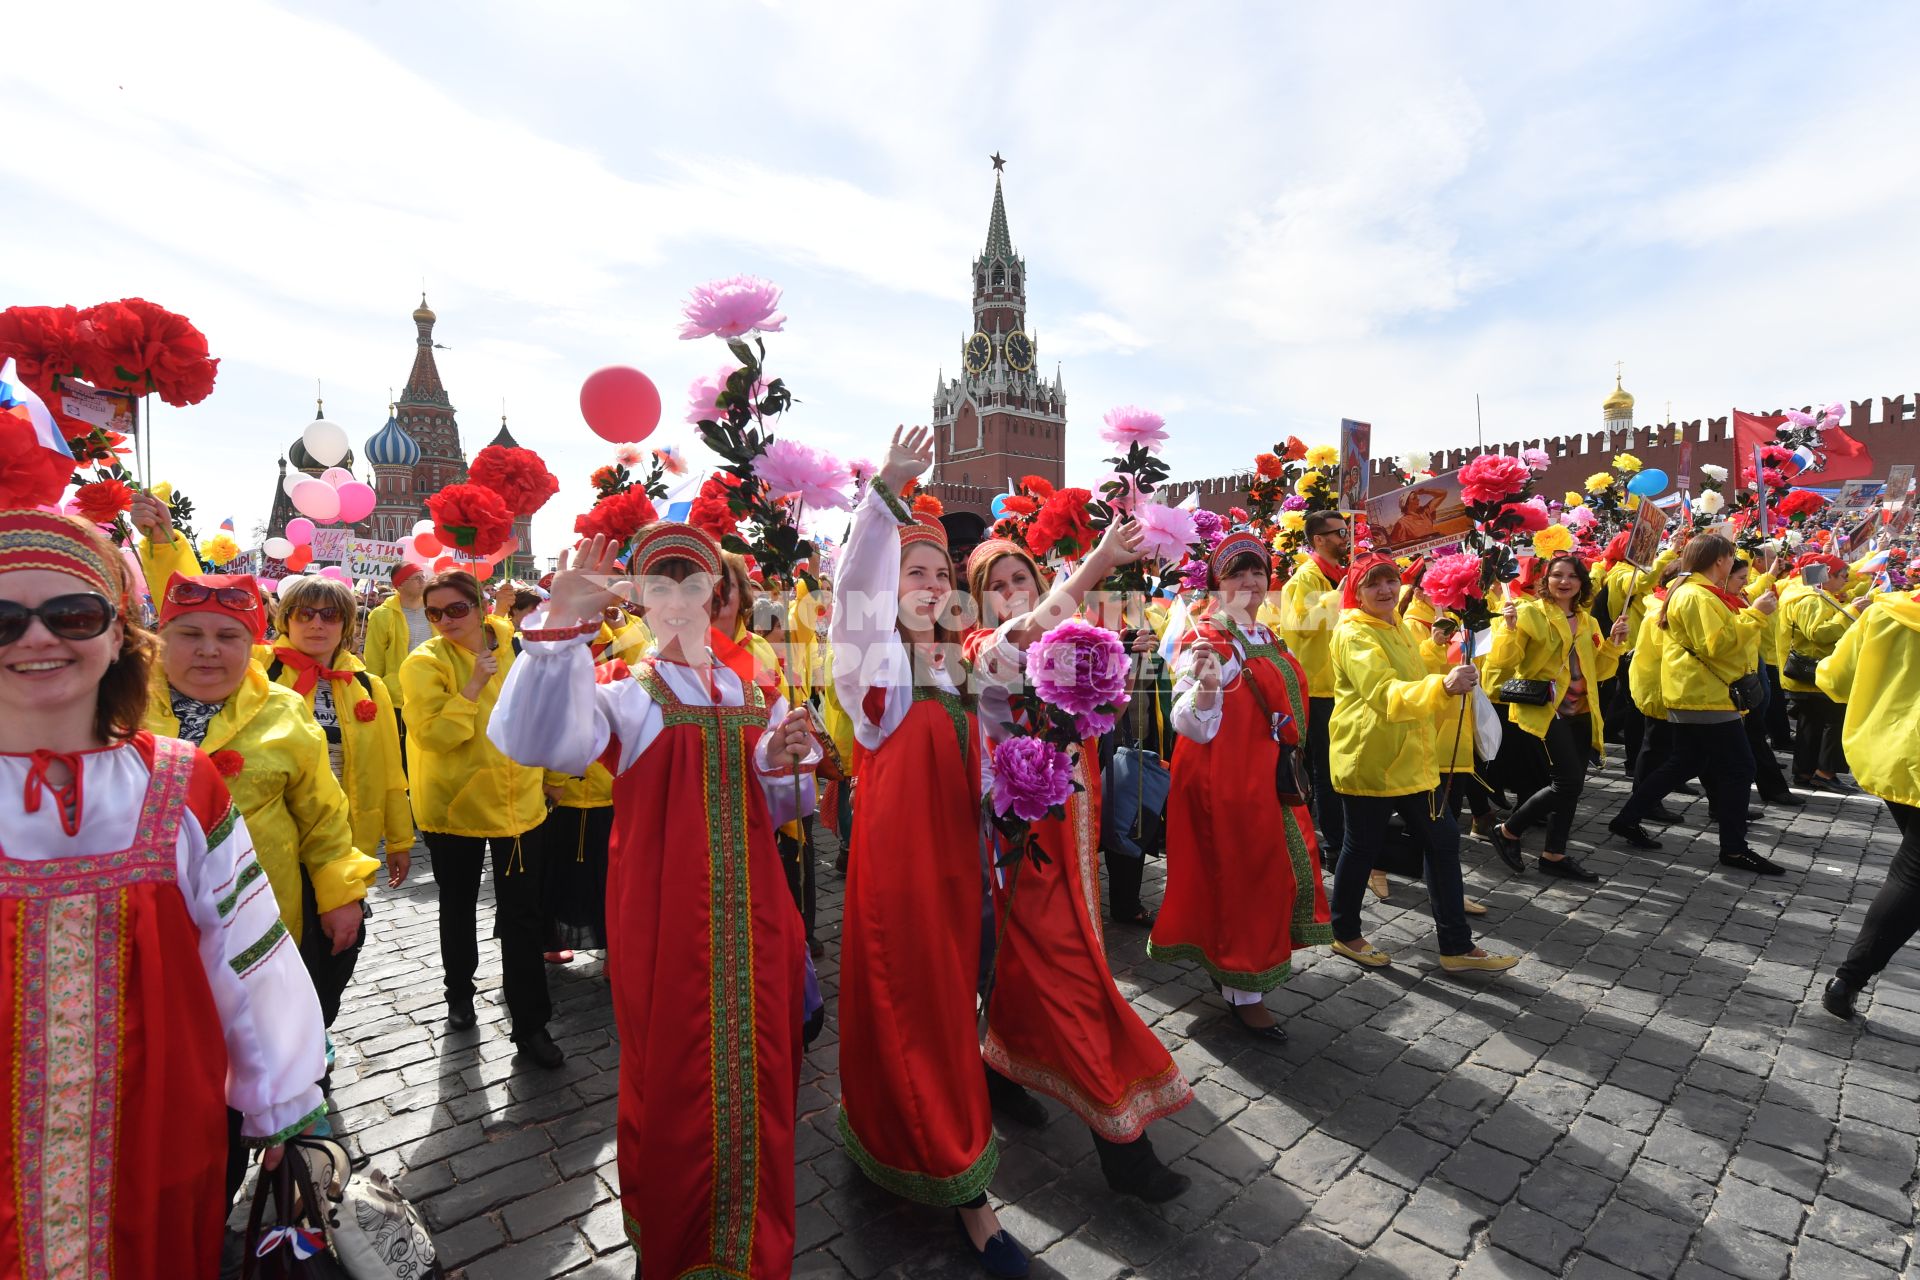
(1654,1092)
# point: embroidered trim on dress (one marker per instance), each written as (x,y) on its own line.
(260,950)
(955,707)
(922,1188)
(1264,981)
(1144,1101)
(253,871)
(291,1130)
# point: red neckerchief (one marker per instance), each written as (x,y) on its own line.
(310,670)
(1728,598)
(1333,572)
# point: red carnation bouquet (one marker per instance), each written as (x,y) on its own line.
(138,346)
(517,475)
(1799,504)
(1064,525)
(619,516)
(712,509)
(470,518)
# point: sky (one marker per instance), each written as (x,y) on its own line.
(1255,219)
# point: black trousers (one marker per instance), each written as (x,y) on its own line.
(1556,772)
(1894,915)
(1328,809)
(1465,787)
(1438,839)
(1624,713)
(1123,887)
(796,859)
(519,921)
(1767,775)
(1779,727)
(1716,753)
(330,973)
(1816,735)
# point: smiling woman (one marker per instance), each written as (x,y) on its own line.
(125,849)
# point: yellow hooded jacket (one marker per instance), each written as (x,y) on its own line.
(295,811)
(1453,723)
(1880,660)
(1707,647)
(1643,677)
(462,784)
(386,647)
(1385,706)
(1624,577)
(1309,613)
(1815,622)
(160,562)
(1539,648)
(369,753)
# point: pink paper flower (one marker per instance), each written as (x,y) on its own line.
(628,455)
(1580,518)
(1800,419)
(1536,459)
(1451,581)
(671,460)
(1165,532)
(1193,575)
(790,469)
(729,308)
(1130,425)
(1530,516)
(1031,777)
(701,396)
(1492,477)
(1079,668)
(1209,528)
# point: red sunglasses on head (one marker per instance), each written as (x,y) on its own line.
(188,594)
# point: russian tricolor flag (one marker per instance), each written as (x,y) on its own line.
(17,398)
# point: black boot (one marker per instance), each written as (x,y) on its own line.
(1014,1102)
(1837,1000)
(1133,1169)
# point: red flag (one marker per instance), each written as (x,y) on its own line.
(1846,458)
(1750,430)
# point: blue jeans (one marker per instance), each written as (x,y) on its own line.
(1366,831)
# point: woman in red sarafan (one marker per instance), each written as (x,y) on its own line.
(1056,1021)
(146,981)
(1243,868)
(705,954)
(914,1111)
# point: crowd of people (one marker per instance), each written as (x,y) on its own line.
(196,814)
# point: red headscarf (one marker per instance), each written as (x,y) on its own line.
(234,595)
(1357,574)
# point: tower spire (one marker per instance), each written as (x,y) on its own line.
(999,241)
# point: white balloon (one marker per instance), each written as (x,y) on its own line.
(278,548)
(422,526)
(293,478)
(325,441)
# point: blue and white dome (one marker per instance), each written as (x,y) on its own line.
(391,446)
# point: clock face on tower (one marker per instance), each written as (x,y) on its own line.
(979,352)
(1020,351)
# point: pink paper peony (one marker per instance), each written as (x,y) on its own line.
(1208,528)
(705,391)
(1165,532)
(1193,575)
(1451,581)
(790,469)
(1079,668)
(1536,459)
(1492,477)
(729,308)
(1130,425)
(629,455)
(1030,777)
(1580,518)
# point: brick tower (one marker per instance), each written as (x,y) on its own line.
(1000,419)
(426,414)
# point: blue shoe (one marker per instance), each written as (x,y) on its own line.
(1002,1255)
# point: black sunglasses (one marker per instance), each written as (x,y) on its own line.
(454,612)
(81,616)
(326,613)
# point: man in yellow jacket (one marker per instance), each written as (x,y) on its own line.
(1874,671)
(1309,611)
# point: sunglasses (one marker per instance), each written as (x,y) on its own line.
(452,613)
(326,613)
(190,594)
(76,617)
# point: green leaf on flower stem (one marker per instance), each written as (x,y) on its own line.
(743,353)
(734,543)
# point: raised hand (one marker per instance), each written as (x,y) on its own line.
(908,455)
(1512,614)
(485,665)
(1619,633)
(580,587)
(151,517)
(1767,603)
(1120,544)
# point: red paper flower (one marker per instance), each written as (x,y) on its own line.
(517,475)
(1038,486)
(710,511)
(605,479)
(1522,517)
(40,340)
(365,711)
(228,763)
(102,500)
(1493,477)
(928,506)
(470,518)
(137,346)
(1268,465)
(1064,525)
(1237,514)
(1018,504)
(1296,449)
(618,517)
(31,475)
(1800,503)
(1773,478)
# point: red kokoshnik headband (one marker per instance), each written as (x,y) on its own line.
(671,540)
(931,532)
(42,540)
(1237,543)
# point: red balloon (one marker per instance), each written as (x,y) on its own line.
(620,404)
(426,544)
(445,563)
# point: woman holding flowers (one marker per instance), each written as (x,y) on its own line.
(914,1110)
(1055,1021)
(1243,866)
(707,960)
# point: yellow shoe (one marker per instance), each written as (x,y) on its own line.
(1370,956)
(1377,883)
(1474,908)
(1476,964)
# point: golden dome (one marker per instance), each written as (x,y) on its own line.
(1620,403)
(422,312)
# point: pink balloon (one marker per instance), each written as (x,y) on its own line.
(337,476)
(317,500)
(620,404)
(269,584)
(356,501)
(300,531)
(338,574)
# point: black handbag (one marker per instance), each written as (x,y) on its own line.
(1799,666)
(1749,692)
(1527,693)
(1289,779)
(296,1244)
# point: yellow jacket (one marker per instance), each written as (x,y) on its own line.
(370,770)
(1643,677)
(295,811)
(1642,582)
(1881,659)
(1539,648)
(386,647)
(462,784)
(1815,622)
(160,563)
(1707,648)
(1772,649)
(1309,611)
(1419,618)
(1385,706)
(1453,723)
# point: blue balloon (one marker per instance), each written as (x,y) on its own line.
(1650,483)
(998,506)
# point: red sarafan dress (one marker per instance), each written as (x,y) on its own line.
(704,949)
(914,1113)
(139,941)
(1057,1023)
(1243,870)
